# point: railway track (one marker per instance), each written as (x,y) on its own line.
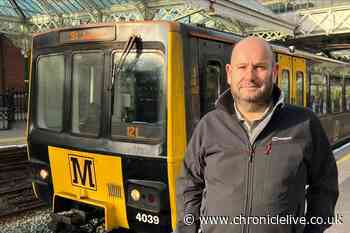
(16,194)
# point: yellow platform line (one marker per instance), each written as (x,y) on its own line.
(344,158)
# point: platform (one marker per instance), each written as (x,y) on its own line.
(343,204)
(15,135)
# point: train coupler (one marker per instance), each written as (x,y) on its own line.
(75,221)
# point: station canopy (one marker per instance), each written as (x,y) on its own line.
(19,19)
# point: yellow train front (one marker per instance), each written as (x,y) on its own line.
(102,100)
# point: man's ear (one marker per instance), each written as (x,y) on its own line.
(228,73)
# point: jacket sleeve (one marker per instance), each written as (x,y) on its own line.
(190,185)
(322,193)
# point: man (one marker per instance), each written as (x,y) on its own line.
(254,155)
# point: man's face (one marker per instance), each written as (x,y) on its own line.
(251,73)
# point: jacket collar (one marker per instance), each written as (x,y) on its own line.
(225,100)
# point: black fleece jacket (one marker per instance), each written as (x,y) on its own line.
(223,174)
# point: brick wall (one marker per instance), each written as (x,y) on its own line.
(12,65)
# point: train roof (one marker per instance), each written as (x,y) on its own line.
(169,25)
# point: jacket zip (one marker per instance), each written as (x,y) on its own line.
(250,185)
(248,205)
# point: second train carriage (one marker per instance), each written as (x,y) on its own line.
(113,106)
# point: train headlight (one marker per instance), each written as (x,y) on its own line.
(135,195)
(43,174)
(291,48)
(147,195)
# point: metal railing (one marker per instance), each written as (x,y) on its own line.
(20,98)
(13,107)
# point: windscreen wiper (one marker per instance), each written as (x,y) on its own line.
(117,67)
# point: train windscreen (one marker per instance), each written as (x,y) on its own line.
(86,92)
(49,86)
(138,96)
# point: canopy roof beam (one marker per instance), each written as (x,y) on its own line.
(17,9)
(43,5)
(238,11)
(94,18)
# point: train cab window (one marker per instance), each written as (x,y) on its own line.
(285,84)
(210,86)
(300,88)
(347,94)
(138,110)
(336,95)
(318,96)
(49,110)
(86,92)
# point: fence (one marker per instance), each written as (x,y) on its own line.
(13,107)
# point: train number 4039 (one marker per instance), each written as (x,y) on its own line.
(147,218)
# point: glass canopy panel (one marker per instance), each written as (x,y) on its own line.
(54,7)
(6,9)
(75,4)
(29,7)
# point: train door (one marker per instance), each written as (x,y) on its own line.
(212,58)
(299,82)
(285,73)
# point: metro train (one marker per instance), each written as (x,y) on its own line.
(112,107)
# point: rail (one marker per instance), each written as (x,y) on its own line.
(16,194)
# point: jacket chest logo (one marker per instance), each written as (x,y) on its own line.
(268,147)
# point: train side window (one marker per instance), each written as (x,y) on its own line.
(347,94)
(50,87)
(300,88)
(336,95)
(318,97)
(285,84)
(210,86)
(86,93)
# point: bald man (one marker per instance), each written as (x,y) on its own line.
(250,160)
